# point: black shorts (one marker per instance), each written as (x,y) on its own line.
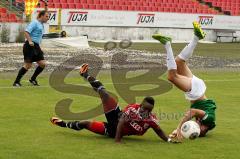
(32,53)
(112,121)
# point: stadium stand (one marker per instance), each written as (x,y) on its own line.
(7,15)
(179,6)
(231,7)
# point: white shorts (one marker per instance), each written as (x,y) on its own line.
(198,89)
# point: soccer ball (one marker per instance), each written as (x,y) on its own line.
(190,130)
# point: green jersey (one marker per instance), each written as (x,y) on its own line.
(209,107)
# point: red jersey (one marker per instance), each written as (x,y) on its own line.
(138,124)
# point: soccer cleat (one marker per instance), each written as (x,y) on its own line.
(83,69)
(34,82)
(58,122)
(198,30)
(162,39)
(17,84)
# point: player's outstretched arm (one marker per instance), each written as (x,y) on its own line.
(160,133)
(197,113)
(119,132)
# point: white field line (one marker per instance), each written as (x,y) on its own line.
(86,84)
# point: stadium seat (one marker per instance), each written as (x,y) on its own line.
(7,16)
(99,7)
(56,1)
(3,10)
(97,2)
(83,1)
(79,6)
(111,7)
(65,6)
(105,7)
(182,6)
(70,1)
(85,6)
(72,5)
(92,6)
(232,6)
(12,16)
(63,1)
(57,5)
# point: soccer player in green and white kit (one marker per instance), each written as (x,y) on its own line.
(202,108)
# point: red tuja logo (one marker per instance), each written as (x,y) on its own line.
(144,18)
(205,20)
(78,17)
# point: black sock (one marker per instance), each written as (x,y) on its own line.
(85,75)
(62,124)
(91,79)
(21,72)
(97,85)
(37,72)
(75,125)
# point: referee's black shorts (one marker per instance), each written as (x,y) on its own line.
(32,53)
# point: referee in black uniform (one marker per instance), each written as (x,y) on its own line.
(31,49)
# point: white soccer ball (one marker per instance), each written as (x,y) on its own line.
(190,130)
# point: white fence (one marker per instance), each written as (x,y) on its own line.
(77,17)
(107,25)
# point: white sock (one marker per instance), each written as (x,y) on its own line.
(171,64)
(187,52)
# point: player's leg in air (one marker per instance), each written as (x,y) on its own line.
(178,71)
(181,76)
(110,107)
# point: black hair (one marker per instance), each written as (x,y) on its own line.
(150,100)
(41,13)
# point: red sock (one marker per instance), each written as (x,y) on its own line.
(97,127)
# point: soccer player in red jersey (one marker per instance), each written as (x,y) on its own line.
(135,119)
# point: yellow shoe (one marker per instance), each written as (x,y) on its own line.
(198,30)
(162,39)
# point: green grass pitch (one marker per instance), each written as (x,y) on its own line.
(26,133)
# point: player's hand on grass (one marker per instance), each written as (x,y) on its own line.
(179,135)
(174,136)
(173,141)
